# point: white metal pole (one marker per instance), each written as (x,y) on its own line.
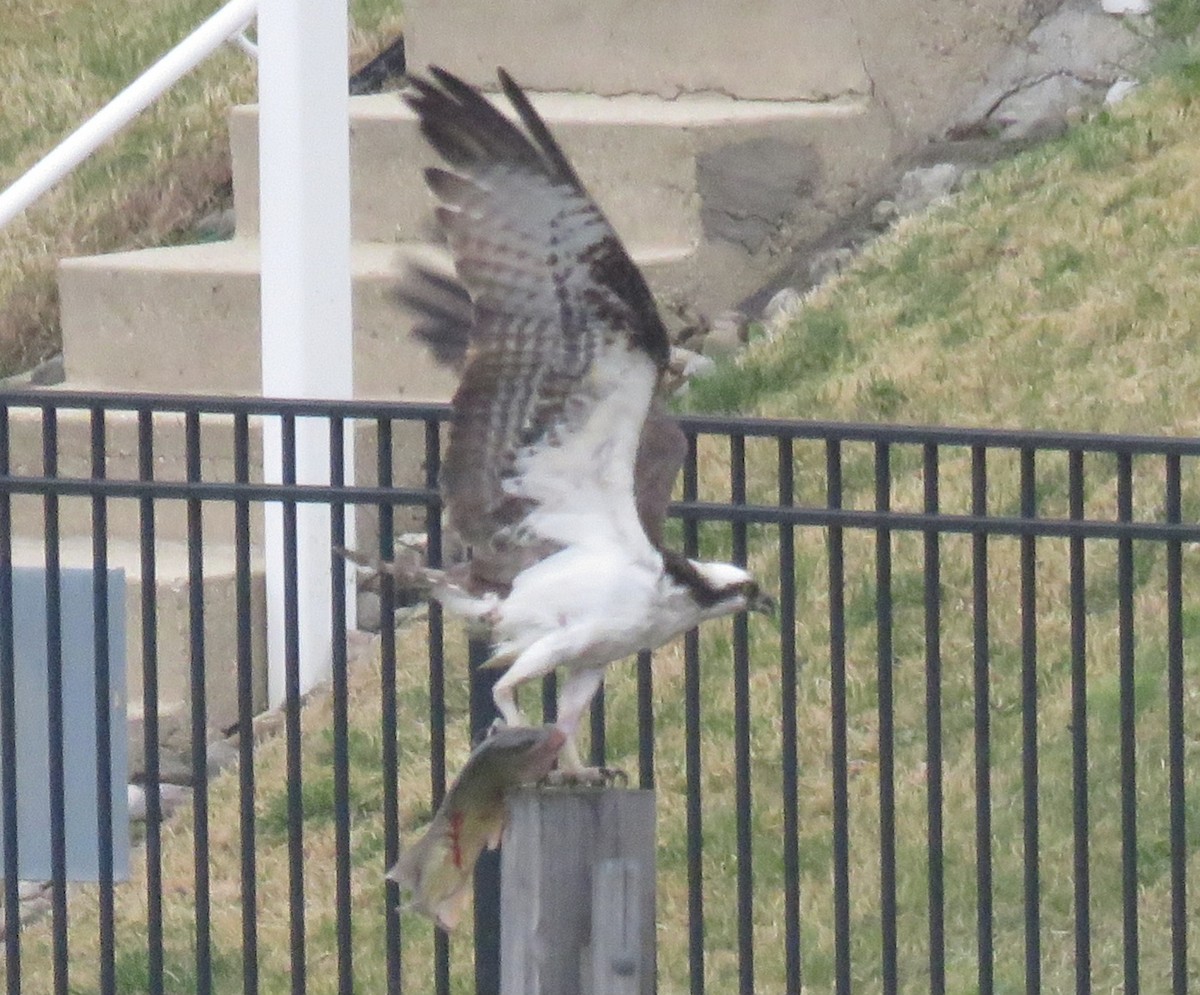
(125,106)
(304,170)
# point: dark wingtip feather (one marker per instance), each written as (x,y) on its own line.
(444,314)
(547,146)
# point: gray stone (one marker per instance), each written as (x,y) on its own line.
(1043,109)
(174,744)
(1122,7)
(216,225)
(31,889)
(827,264)
(783,305)
(137,803)
(368,611)
(221,755)
(1078,41)
(171,797)
(749,189)
(687,364)
(727,334)
(884,213)
(48,372)
(920,187)
(1121,89)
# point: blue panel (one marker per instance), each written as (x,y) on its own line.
(79,722)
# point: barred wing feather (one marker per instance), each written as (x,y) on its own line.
(565,348)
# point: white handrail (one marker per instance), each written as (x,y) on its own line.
(230,20)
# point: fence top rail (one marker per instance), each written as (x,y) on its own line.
(697,511)
(738,425)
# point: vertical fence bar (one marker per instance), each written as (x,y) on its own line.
(245,699)
(387,704)
(199,716)
(837,723)
(291,640)
(1129,854)
(983,733)
(437,676)
(8,733)
(339,680)
(1029,732)
(645,714)
(54,724)
(149,604)
(788,733)
(487,868)
(437,672)
(692,754)
(1079,735)
(103,704)
(599,741)
(741,734)
(550,698)
(887,765)
(933,727)
(1175,736)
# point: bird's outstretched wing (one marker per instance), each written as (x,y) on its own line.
(565,348)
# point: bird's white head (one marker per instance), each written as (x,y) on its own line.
(725,588)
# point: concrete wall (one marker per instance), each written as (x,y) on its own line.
(919,59)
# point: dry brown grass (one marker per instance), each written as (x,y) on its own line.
(61,62)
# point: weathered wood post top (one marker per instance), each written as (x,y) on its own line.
(577,892)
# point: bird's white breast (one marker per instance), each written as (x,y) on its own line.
(617,605)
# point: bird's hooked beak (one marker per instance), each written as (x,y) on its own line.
(762,603)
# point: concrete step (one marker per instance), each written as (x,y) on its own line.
(770,49)
(173,623)
(158,319)
(662,170)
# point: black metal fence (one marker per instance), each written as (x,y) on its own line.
(965,759)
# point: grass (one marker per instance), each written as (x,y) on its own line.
(1059,291)
(148,186)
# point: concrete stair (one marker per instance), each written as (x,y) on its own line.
(665,171)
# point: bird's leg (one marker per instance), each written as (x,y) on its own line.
(534,661)
(504,694)
(573,701)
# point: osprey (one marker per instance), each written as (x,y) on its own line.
(560,462)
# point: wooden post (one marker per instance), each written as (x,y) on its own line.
(577,893)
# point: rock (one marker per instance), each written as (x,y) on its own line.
(884,213)
(174,743)
(48,372)
(1077,41)
(1121,89)
(686,364)
(27,890)
(1043,109)
(727,334)
(920,187)
(216,226)
(783,305)
(136,800)
(172,797)
(1122,7)
(368,611)
(221,754)
(829,263)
